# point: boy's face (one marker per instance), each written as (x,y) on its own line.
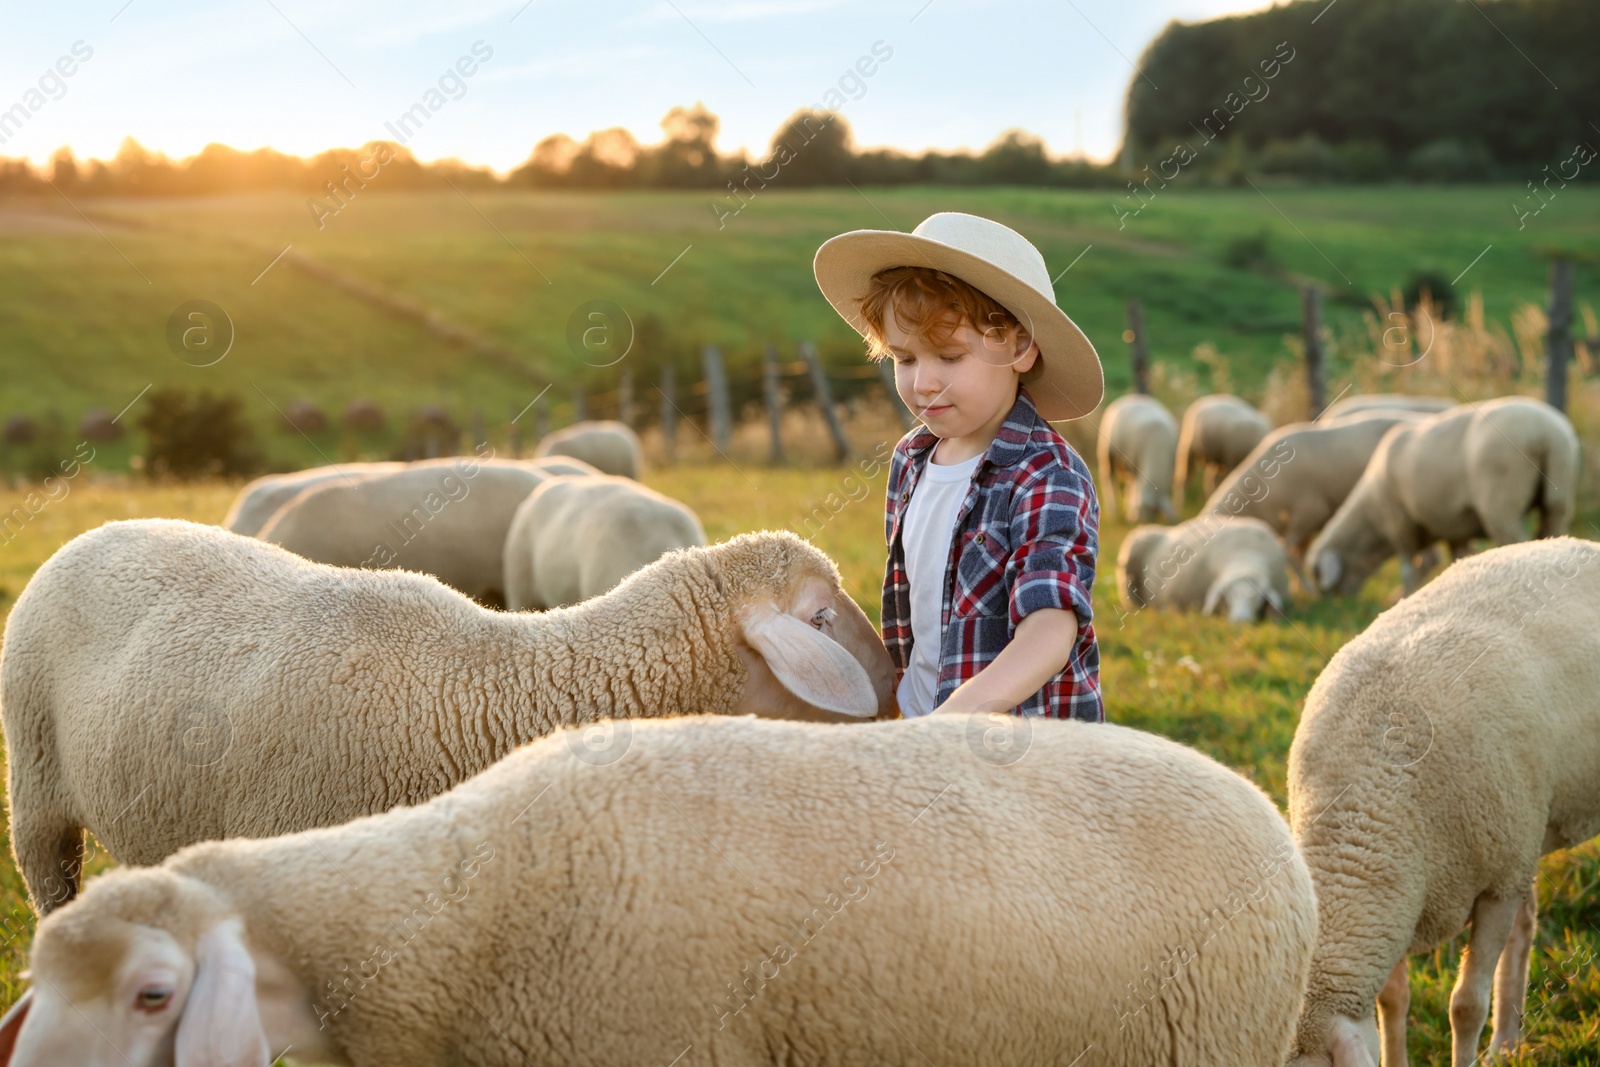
(963,387)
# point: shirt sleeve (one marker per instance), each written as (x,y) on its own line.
(1055,531)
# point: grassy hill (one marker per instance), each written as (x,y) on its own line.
(86,300)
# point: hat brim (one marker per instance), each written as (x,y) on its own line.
(1072,383)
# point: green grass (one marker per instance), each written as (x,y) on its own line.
(86,313)
(1233,692)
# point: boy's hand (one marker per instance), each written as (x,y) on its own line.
(1038,650)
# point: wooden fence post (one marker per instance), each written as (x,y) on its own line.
(1558,337)
(515,436)
(774,398)
(1138,353)
(819,385)
(886,372)
(480,433)
(1311,315)
(669,411)
(580,403)
(625,396)
(541,419)
(717,406)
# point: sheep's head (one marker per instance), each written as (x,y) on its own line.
(1244,593)
(147,967)
(1133,562)
(1345,1043)
(808,649)
(1345,554)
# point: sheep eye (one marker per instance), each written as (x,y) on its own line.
(153,998)
(823,616)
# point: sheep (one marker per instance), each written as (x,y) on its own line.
(1218,433)
(1441,752)
(1363,402)
(1139,441)
(1299,474)
(1203,564)
(260,499)
(576,537)
(448,519)
(237,689)
(607,444)
(1472,471)
(671,897)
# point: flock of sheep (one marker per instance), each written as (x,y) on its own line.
(1372,478)
(383,823)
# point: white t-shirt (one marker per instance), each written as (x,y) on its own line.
(925,535)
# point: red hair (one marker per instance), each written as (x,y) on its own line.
(931,305)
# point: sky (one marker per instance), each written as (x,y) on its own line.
(303,76)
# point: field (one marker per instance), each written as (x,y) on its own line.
(1233,692)
(86,301)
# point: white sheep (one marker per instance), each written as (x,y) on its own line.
(260,499)
(1365,402)
(1299,474)
(576,537)
(734,891)
(1217,434)
(1138,442)
(1473,471)
(1441,752)
(1203,564)
(448,519)
(216,686)
(609,445)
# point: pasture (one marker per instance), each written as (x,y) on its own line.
(1233,692)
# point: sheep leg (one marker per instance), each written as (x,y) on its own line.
(1394,1000)
(1511,978)
(50,854)
(1492,920)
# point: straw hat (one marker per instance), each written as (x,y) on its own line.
(991,257)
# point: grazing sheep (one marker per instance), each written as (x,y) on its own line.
(1204,563)
(1218,433)
(1441,752)
(738,891)
(606,444)
(216,686)
(1299,474)
(448,519)
(1138,441)
(1473,471)
(1363,402)
(576,537)
(260,499)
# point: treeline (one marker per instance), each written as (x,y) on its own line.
(1373,90)
(812,147)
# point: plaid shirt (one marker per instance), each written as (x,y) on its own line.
(1025,538)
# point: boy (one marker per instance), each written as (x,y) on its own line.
(991,518)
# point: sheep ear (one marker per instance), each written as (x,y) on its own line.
(809,664)
(11,1026)
(221,1023)
(1214,594)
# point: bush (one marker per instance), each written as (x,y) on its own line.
(430,433)
(304,416)
(20,429)
(1450,159)
(1440,291)
(195,437)
(1363,161)
(96,425)
(1251,252)
(363,416)
(1307,156)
